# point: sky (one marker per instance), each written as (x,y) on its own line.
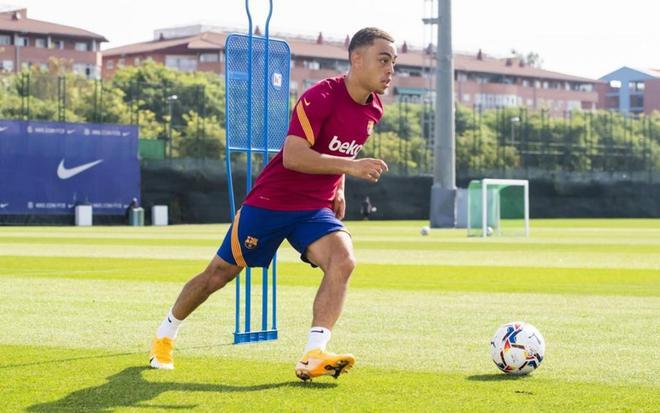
(587,38)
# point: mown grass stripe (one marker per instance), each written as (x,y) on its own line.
(603,281)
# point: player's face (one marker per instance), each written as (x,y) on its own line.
(377,65)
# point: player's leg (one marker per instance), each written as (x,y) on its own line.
(251,241)
(216,275)
(326,244)
(333,253)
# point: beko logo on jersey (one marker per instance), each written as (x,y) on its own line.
(351,148)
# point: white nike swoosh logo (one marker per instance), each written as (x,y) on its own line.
(4,205)
(66,173)
(4,128)
(70,131)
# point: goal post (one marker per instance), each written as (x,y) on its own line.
(498,207)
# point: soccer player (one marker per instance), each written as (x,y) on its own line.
(300,196)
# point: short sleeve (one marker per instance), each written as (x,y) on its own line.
(311,111)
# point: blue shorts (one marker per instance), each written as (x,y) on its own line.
(256,233)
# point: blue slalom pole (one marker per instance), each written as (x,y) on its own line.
(248,272)
(264,273)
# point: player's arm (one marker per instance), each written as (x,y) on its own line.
(339,201)
(300,157)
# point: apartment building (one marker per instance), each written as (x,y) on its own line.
(26,43)
(481,81)
(629,90)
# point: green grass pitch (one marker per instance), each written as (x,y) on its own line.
(80,305)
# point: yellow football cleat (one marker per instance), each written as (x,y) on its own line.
(160,356)
(319,363)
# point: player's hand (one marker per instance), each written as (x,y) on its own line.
(339,204)
(368,169)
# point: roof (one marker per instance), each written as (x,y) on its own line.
(626,73)
(651,72)
(510,66)
(9,23)
(335,50)
(205,41)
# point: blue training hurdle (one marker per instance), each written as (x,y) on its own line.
(257,119)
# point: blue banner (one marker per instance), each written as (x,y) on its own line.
(50,167)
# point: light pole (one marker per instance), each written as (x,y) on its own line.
(170,100)
(514,120)
(443,209)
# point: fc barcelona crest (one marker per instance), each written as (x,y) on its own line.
(370,127)
(251,242)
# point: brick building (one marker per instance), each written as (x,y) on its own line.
(26,42)
(481,80)
(629,90)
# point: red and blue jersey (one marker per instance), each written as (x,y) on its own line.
(334,124)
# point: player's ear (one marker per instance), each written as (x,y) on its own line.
(357,57)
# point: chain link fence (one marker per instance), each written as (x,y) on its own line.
(186,120)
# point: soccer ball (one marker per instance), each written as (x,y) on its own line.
(489,231)
(425,230)
(517,348)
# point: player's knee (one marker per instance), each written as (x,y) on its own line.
(344,264)
(217,277)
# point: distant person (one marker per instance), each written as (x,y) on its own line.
(300,196)
(366,208)
(134,204)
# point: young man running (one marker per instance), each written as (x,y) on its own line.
(300,196)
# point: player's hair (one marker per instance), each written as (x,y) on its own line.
(366,37)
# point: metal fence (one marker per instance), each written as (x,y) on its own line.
(504,142)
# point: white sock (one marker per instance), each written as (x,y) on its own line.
(169,327)
(318,338)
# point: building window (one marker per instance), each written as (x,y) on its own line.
(208,58)
(574,105)
(58,44)
(182,63)
(7,65)
(110,64)
(342,67)
(637,101)
(313,64)
(307,83)
(136,61)
(612,102)
(81,46)
(616,84)
(636,86)
(86,70)
(22,41)
(4,39)
(121,62)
